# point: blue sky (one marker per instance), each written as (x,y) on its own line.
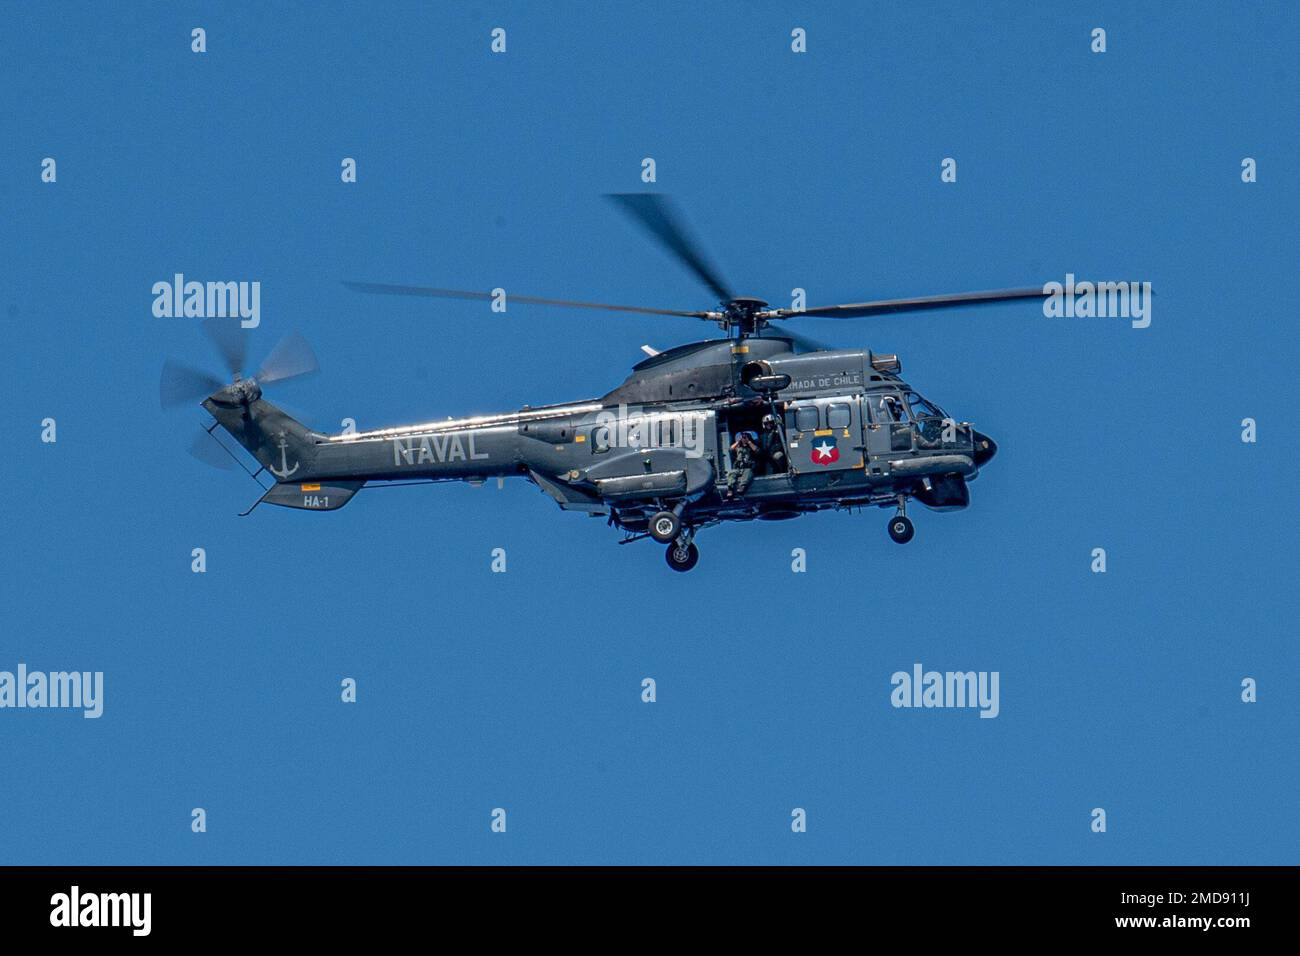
(522,690)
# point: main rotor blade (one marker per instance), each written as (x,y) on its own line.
(656,214)
(803,343)
(227,334)
(181,384)
(857,310)
(426,292)
(292,357)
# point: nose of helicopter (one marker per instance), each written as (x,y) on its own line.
(985,449)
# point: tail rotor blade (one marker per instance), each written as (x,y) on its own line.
(295,412)
(291,358)
(181,384)
(228,337)
(204,448)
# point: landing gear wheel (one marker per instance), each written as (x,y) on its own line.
(682,557)
(900,529)
(665,527)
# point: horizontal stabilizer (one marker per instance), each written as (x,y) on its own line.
(312,495)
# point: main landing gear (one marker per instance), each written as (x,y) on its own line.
(665,527)
(900,526)
(682,555)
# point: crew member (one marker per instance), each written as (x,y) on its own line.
(772,448)
(743,458)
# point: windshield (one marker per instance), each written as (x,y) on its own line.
(934,429)
(921,409)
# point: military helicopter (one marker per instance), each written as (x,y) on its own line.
(659,456)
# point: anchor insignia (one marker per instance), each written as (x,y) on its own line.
(284,471)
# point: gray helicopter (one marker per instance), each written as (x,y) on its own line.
(759,424)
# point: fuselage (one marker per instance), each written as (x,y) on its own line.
(855,433)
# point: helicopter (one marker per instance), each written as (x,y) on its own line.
(660,455)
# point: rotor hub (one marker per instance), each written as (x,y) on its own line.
(744,314)
(245,391)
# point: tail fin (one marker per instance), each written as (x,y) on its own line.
(283,446)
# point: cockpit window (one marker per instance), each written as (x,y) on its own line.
(886,407)
(931,424)
(922,409)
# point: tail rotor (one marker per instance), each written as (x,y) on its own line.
(182,384)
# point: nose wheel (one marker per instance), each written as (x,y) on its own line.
(900,526)
(901,529)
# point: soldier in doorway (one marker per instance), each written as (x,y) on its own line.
(744,455)
(771,447)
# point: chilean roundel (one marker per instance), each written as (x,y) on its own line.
(824,451)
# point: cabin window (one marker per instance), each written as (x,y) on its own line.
(900,437)
(600,439)
(838,416)
(806,418)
